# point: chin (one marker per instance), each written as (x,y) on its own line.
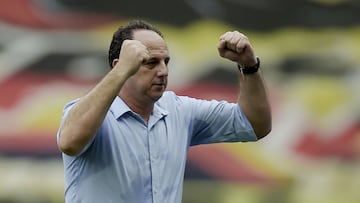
(156,92)
(156,96)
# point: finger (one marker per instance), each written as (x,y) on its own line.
(222,44)
(236,36)
(227,36)
(240,45)
(224,41)
(234,41)
(147,56)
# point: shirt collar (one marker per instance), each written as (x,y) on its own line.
(119,108)
(159,111)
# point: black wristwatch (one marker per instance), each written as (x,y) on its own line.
(251,69)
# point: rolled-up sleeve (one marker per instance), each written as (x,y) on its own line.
(219,121)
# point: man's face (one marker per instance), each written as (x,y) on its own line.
(149,83)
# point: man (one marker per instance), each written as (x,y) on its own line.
(126,140)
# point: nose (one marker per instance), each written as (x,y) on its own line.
(163,69)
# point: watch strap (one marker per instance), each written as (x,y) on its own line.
(251,69)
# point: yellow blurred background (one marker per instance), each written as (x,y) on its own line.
(51,53)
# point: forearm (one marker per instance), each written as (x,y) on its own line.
(254,102)
(85,118)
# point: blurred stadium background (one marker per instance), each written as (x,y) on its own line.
(54,51)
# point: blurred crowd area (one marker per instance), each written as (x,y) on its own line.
(54,51)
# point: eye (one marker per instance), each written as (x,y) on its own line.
(151,62)
(167,60)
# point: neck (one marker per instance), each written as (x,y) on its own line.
(143,108)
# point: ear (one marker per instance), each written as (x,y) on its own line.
(115,61)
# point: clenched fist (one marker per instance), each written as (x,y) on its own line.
(133,53)
(236,47)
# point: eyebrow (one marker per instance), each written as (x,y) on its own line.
(159,58)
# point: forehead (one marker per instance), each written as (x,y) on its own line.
(153,41)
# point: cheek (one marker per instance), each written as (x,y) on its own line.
(146,77)
(142,81)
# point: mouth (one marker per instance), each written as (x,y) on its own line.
(159,85)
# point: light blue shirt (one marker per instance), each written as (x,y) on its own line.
(133,162)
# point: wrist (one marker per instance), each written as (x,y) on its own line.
(251,69)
